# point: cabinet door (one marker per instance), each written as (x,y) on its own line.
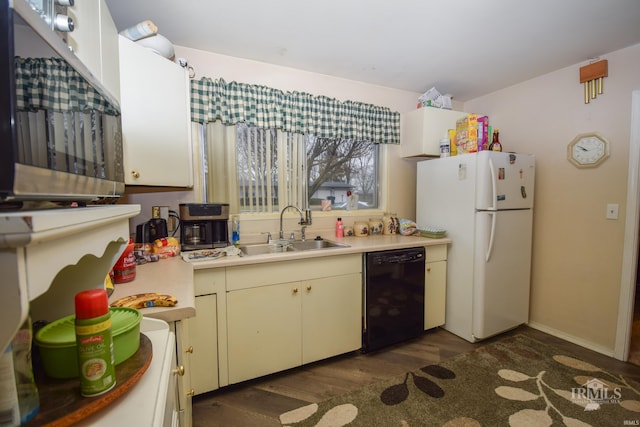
(184,350)
(204,339)
(156,127)
(84,40)
(264,330)
(424,128)
(331,316)
(109,51)
(435,288)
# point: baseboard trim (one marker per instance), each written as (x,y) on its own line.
(572,339)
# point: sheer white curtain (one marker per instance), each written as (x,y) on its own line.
(253,170)
(271,169)
(216,165)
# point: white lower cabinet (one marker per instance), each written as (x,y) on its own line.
(265,330)
(284,314)
(331,316)
(435,286)
(203,336)
(183,372)
(209,290)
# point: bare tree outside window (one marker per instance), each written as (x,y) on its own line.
(338,166)
(333,169)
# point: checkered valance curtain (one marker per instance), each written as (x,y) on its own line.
(52,84)
(295,112)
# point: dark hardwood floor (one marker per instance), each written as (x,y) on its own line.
(260,402)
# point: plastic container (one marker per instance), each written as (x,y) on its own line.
(9,409)
(94,342)
(28,398)
(445,147)
(339,228)
(125,269)
(235,230)
(57,341)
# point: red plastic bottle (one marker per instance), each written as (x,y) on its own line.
(339,228)
(125,269)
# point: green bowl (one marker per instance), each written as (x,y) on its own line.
(57,341)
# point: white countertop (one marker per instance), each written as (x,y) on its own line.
(356,245)
(174,276)
(170,276)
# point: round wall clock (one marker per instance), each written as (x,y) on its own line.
(588,150)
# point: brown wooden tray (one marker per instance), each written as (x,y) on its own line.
(61,403)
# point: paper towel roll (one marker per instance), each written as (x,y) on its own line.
(140,30)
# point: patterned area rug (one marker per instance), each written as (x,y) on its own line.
(517,381)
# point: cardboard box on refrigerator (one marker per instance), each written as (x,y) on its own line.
(467,134)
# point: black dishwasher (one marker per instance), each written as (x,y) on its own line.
(393,297)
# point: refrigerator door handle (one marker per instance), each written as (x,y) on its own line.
(494,215)
(494,189)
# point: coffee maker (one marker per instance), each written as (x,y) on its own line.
(204,225)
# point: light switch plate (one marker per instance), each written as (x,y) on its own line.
(612,211)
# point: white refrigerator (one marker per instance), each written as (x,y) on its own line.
(485,202)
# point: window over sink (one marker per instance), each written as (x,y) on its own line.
(275,169)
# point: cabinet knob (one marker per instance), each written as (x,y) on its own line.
(308,288)
(429,270)
(189,350)
(295,290)
(179,370)
(191,393)
(135,174)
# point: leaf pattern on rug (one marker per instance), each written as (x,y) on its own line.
(594,390)
(520,396)
(427,386)
(398,393)
(576,363)
(515,393)
(511,375)
(439,372)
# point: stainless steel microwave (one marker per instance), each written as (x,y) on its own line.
(60,129)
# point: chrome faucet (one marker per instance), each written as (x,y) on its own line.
(305,220)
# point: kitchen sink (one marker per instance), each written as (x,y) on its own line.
(289,246)
(308,245)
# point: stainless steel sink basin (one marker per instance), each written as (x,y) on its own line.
(308,245)
(295,246)
(264,248)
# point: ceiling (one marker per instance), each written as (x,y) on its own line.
(465,48)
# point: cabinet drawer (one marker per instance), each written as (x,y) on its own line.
(290,271)
(436,253)
(208,281)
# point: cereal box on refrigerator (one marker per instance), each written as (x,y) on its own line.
(467,134)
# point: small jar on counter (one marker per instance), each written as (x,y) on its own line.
(375,226)
(390,223)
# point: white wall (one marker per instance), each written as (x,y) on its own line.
(577,252)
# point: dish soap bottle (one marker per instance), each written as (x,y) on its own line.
(235,230)
(339,228)
(495,144)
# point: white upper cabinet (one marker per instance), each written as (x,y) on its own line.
(94,40)
(423,129)
(156,118)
